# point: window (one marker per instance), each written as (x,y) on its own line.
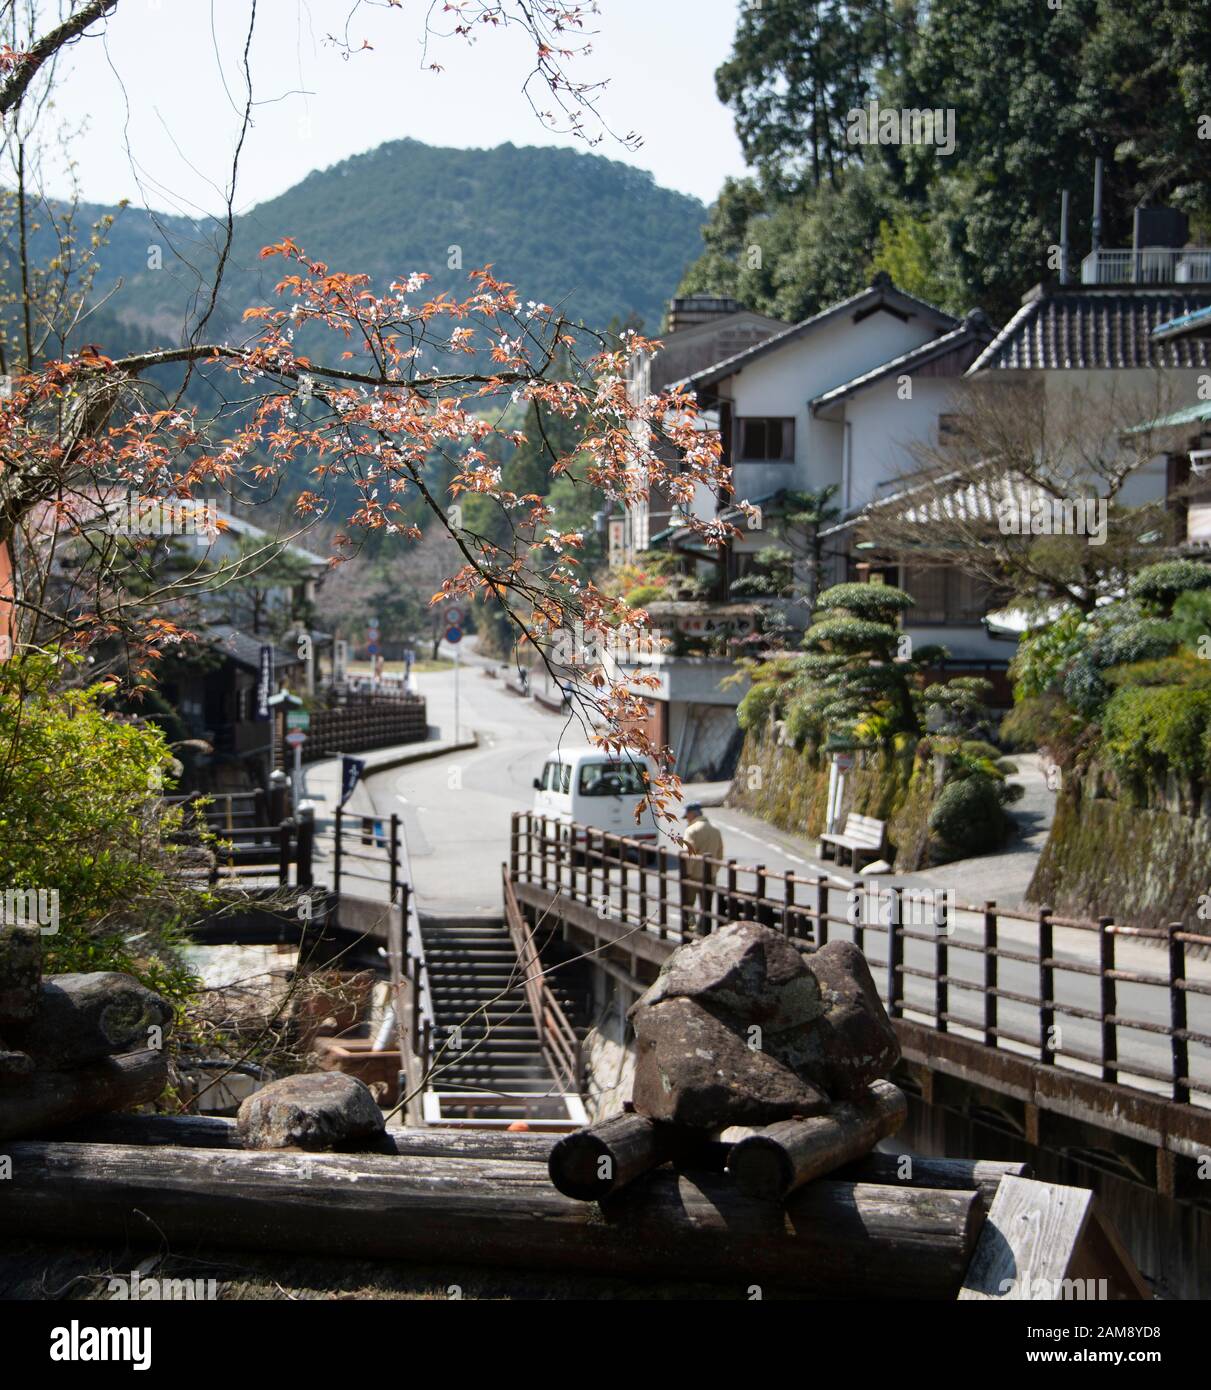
(553,774)
(765,440)
(612,779)
(943,595)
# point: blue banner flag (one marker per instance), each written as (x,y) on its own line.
(351,774)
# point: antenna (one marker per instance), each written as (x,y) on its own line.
(1097,204)
(1064,237)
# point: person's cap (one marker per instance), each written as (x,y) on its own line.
(695,807)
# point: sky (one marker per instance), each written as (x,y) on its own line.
(154,96)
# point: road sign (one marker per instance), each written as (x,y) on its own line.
(454,616)
(296,738)
(298,719)
(454,635)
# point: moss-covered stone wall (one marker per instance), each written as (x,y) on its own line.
(789,788)
(1145,866)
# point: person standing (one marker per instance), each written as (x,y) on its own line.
(703,844)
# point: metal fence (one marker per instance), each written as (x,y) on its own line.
(1128,1005)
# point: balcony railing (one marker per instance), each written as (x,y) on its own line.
(1152,265)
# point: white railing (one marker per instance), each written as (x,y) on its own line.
(1152,265)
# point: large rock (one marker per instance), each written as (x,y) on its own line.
(20,973)
(84,1017)
(851,1043)
(743,1028)
(744,971)
(316,1110)
(692,1069)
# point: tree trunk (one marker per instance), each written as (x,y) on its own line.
(43,1100)
(781,1157)
(835,1239)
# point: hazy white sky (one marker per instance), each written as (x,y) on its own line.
(161,89)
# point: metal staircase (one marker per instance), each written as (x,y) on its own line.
(502,1049)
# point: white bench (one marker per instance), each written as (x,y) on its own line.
(862,835)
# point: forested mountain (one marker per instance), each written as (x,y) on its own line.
(596,237)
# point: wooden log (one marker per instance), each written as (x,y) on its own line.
(84,1017)
(20,972)
(42,1100)
(961,1174)
(835,1239)
(216,1132)
(592,1163)
(781,1157)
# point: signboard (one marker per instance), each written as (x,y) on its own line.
(298,719)
(296,738)
(340,660)
(264,686)
(454,635)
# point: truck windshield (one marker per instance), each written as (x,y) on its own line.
(612,779)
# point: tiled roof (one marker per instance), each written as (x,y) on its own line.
(244,648)
(880,293)
(1067,329)
(974,328)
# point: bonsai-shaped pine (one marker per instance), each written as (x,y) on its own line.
(858,668)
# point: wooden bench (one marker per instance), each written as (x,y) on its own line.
(862,836)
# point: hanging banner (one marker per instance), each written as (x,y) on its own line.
(264,686)
(351,774)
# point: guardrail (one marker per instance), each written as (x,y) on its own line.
(1055,989)
(560,1045)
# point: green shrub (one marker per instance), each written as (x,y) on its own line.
(758,703)
(878,602)
(1160,585)
(643,594)
(80,814)
(1147,729)
(969,817)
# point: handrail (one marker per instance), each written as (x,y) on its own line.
(921,977)
(560,1045)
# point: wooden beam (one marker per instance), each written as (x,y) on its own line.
(42,1100)
(839,1239)
(215,1132)
(592,1163)
(1043,1241)
(779,1158)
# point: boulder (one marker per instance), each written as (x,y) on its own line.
(84,1017)
(316,1110)
(742,1028)
(693,1069)
(20,974)
(852,1042)
(743,971)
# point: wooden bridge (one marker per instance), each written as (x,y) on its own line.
(1088,1037)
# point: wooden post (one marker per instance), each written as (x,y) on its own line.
(1177,1014)
(394,853)
(284,852)
(542,850)
(788,901)
(895,956)
(990,973)
(662,879)
(591,1163)
(624,874)
(941,974)
(781,1157)
(1046,984)
(822,909)
(336,854)
(759,912)
(682,861)
(514,846)
(643,883)
(732,906)
(1108,1002)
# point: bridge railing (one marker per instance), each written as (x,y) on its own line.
(1128,1005)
